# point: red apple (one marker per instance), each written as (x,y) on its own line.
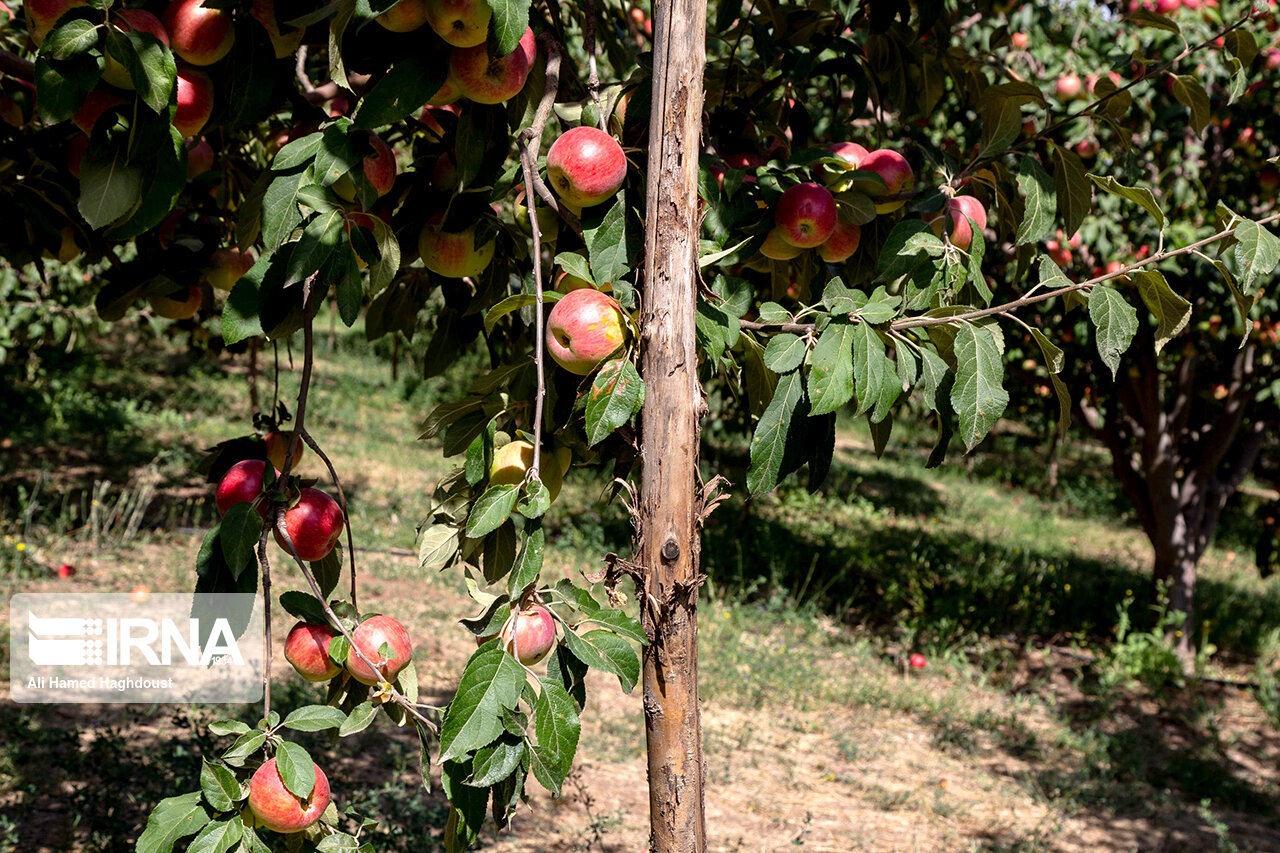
(66,571)
(959,213)
(1020,40)
(917,661)
(227,266)
(1087,148)
(314,525)
(282,44)
(43,14)
(370,636)
(241,484)
(462,23)
(307,648)
(896,172)
(199,157)
(1069,87)
(276,807)
(452,254)
(531,636)
(491,80)
(277,442)
(95,104)
(586,166)
(1113,267)
(140,593)
(198,33)
(842,243)
(195,101)
(805,215)
(583,329)
(181,304)
(135,20)
(379,168)
(446,94)
(850,152)
(777,248)
(404,17)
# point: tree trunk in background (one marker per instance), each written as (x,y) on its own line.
(670,502)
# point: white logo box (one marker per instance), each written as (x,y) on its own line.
(152,648)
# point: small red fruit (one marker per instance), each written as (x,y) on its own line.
(314,524)
(917,661)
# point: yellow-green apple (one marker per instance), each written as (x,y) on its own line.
(195,101)
(138,21)
(371,636)
(548,220)
(241,484)
(462,23)
(453,254)
(199,157)
(842,243)
(586,166)
(896,172)
(379,167)
(805,216)
(1069,87)
(307,648)
(404,17)
(198,33)
(491,80)
(181,304)
(226,267)
(275,807)
(961,211)
(530,636)
(43,14)
(776,247)
(583,329)
(314,524)
(283,44)
(277,442)
(512,461)
(95,104)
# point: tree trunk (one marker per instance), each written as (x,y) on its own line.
(670,503)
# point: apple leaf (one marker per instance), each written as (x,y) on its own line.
(620,623)
(1141,196)
(328,570)
(69,38)
(978,396)
(280,214)
(321,237)
(468,805)
(299,152)
(297,770)
(402,91)
(606,651)
(1074,193)
(769,444)
(575,264)
(536,498)
(1171,311)
(831,369)
(304,606)
(151,66)
(241,529)
(499,554)
(490,683)
(1257,251)
(221,788)
(218,836)
(360,718)
(529,564)
(494,763)
(314,718)
(246,745)
(785,352)
(1116,322)
(510,20)
(874,375)
(61,87)
(556,722)
(439,544)
(907,247)
(228,727)
(612,247)
(616,394)
(1191,94)
(341,841)
(109,189)
(172,818)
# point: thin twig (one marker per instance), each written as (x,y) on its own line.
(342,498)
(593,74)
(16,66)
(266,615)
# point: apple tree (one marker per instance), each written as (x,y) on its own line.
(825,208)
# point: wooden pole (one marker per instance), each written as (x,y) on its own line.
(670,501)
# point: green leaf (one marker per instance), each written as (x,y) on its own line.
(904,250)
(612,246)
(64,41)
(1191,94)
(510,20)
(228,727)
(1153,20)
(529,563)
(785,352)
(1116,322)
(616,394)
(606,651)
(556,723)
(321,236)
(151,66)
(469,805)
(246,745)
(1171,311)
(1242,45)
(109,189)
(1041,201)
(831,368)
(240,317)
(438,546)
(498,556)
(1075,195)
(511,303)
(1257,251)
(61,87)
(314,718)
(491,682)
(297,770)
(492,510)
(575,264)
(495,763)
(220,787)
(769,444)
(1053,357)
(218,836)
(1001,125)
(978,396)
(402,91)
(280,214)
(172,818)
(299,152)
(384,271)
(619,623)
(304,606)
(873,373)
(1141,195)
(241,529)
(360,718)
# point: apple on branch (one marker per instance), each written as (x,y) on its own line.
(529,636)
(127,20)
(307,649)
(42,15)
(370,637)
(896,172)
(805,216)
(960,212)
(583,329)
(181,304)
(405,16)
(461,23)
(195,101)
(199,33)
(277,808)
(777,248)
(453,254)
(314,524)
(512,461)
(379,168)
(488,79)
(586,166)
(226,267)
(241,484)
(277,442)
(842,243)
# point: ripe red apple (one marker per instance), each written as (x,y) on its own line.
(512,461)
(226,267)
(198,33)
(586,166)
(314,525)
(777,248)
(1113,267)
(462,23)
(531,637)
(1020,40)
(181,304)
(842,243)
(370,636)
(135,20)
(959,213)
(1069,87)
(583,329)
(275,806)
(850,152)
(307,648)
(448,92)
(805,216)
(282,44)
(43,14)
(379,168)
(917,661)
(491,80)
(66,571)
(1087,148)
(896,172)
(404,17)
(140,593)
(452,254)
(195,101)
(241,484)
(199,157)
(277,442)
(95,104)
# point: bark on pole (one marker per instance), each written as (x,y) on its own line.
(670,500)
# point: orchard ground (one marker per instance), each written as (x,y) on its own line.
(1031,728)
